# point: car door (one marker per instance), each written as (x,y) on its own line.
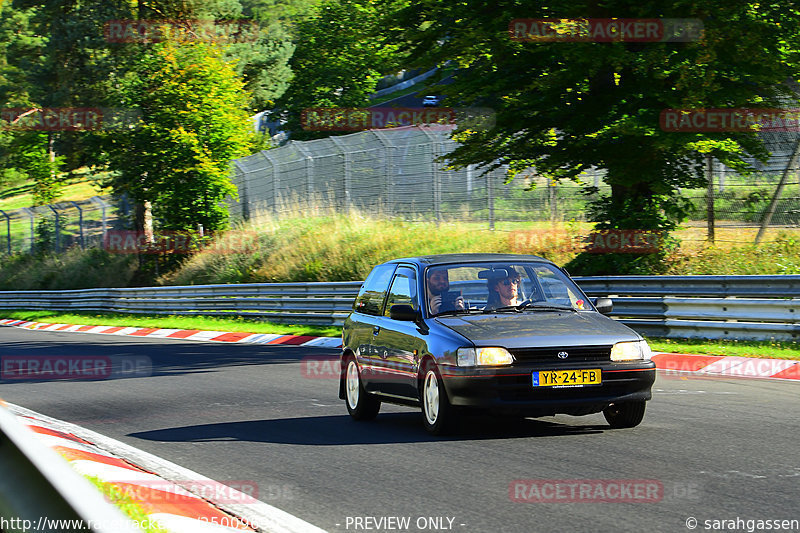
(399,342)
(365,322)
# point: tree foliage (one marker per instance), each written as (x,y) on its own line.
(342,52)
(563,107)
(193,123)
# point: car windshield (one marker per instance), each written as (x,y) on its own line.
(500,287)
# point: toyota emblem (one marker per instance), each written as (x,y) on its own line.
(563,355)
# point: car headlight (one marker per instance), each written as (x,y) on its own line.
(489,356)
(631,351)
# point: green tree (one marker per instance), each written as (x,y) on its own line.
(342,51)
(193,124)
(564,107)
(53,54)
(261,58)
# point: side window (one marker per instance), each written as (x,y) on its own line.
(370,298)
(555,290)
(404,289)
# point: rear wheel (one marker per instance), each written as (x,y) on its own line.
(360,404)
(624,415)
(438,416)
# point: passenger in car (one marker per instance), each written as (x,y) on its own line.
(439,299)
(504,289)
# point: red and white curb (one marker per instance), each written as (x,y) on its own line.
(183,506)
(183,334)
(173,507)
(717,365)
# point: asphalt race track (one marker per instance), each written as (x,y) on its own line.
(715,449)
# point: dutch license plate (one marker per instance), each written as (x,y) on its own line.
(567,378)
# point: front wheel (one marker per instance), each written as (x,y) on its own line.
(624,415)
(438,416)
(360,404)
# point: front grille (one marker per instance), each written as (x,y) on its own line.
(576,353)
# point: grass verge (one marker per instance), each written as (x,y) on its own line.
(23,197)
(130,507)
(209,323)
(759,349)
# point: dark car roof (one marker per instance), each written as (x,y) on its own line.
(443,259)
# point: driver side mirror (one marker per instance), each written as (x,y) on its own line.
(403,312)
(604,305)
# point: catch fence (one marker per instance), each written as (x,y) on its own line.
(399,172)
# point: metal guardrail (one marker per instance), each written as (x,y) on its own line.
(708,286)
(708,307)
(298,303)
(39,491)
(742,307)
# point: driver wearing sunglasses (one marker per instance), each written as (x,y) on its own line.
(504,291)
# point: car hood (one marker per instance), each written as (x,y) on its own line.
(539,328)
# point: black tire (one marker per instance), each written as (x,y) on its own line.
(624,415)
(360,404)
(438,416)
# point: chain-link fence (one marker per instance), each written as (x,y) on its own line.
(395,171)
(57,227)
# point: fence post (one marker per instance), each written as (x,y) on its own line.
(275,182)
(490,198)
(309,170)
(8,230)
(790,166)
(31,216)
(710,197)
(58,227)
(80,224)
(103,205)
(389,157)
(434,142)
(244,193)
(348,170)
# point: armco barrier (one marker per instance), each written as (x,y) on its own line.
(39,490)
(297,303)
(741,307)
(706,286)
(708,307)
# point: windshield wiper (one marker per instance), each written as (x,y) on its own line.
(514,308)
(457,312)
(545,307)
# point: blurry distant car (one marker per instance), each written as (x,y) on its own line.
(430,101)
(552,352)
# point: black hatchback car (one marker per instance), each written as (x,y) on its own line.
(503,333)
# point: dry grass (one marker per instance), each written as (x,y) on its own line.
(315,243)
(320,245)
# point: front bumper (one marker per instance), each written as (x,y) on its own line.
(510,389)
